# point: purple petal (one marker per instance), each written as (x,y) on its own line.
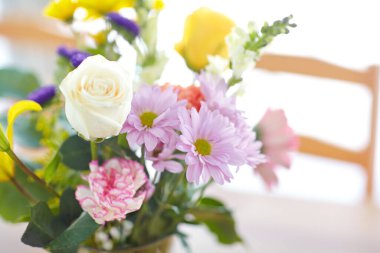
(43,94)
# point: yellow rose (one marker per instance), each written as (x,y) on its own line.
(61,9)
(205,32)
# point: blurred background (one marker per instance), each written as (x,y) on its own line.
(320,205)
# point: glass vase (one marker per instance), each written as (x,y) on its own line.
(160,246)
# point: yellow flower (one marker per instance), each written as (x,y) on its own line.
(104,6)
(205,32)
(61,9)
(158,5)
(7,165)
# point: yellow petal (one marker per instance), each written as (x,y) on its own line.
(158,5)
(61,9)
(204,34)
(17,109)
(6,167)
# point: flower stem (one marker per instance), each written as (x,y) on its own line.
(22,190)
(30,173)
(94,151)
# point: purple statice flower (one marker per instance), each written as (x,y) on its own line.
(209,141)
(64,52)
(75,56)
(127,24)
(43,94)
(78,57)
(164,158)
(153,117)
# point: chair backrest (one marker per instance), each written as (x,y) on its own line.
(316,68)
(31,31)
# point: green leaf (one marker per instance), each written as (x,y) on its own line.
(17,83)
(76,153)
(51,168)
(218,220)
(75,234)
(43,226)
(13,205)
(69,208)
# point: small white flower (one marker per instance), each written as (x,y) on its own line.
(216,64)
(115,233)
(241,58)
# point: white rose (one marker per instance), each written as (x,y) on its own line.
(98,97)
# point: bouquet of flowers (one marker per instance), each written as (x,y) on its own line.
(112,157)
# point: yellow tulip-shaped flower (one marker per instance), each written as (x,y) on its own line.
(104,6)
(6,164)
(61,9)
(205,32)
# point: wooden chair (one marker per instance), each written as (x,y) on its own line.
(368,78)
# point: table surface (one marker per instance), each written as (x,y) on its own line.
(270,225)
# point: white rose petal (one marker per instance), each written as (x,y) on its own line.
(98,97)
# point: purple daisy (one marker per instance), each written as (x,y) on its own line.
(209,140)
(153,117)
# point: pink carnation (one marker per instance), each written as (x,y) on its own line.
(278,141)
(116,188)
(153,117)
(210,143)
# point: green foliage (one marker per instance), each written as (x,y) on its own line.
(76,233)
(51,168)
(69,208)
(218,219)
(76,153)
(268,33)
(17,83)
(59,233)
(63,68)
(43,226)
(14,207)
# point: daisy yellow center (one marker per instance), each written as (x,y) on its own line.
(147,118)
(203,147)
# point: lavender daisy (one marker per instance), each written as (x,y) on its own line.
(153,117)
(209,140)
(214,89)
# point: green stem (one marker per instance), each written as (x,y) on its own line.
(22,190)
(30,173)
(138,224)
(176,183)
(94,151)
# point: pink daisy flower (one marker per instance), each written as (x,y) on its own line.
(116,188)
(209,141)
(153,117)
(164,158)
(214,89)
(279,140)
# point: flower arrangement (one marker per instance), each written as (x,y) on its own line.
(121,158)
